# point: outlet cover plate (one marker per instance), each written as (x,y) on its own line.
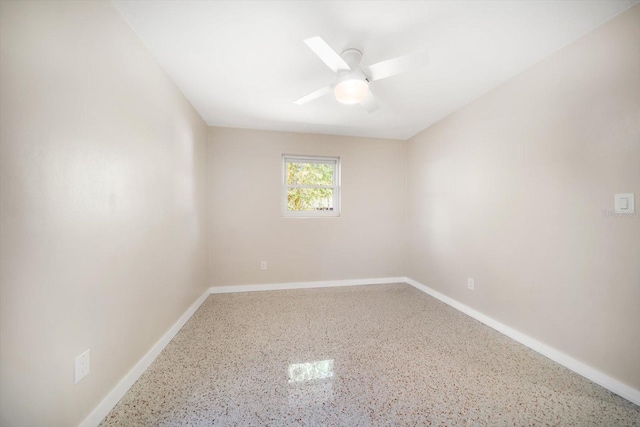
(82,365)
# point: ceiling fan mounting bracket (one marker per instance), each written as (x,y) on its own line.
(351,56)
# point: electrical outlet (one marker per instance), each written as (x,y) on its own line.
(471,284)
(263,265)
(83,365)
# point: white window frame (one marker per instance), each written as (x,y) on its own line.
(336,186)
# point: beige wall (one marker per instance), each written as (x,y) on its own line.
(366,241)
(103,206)
(104,219)
(511,191)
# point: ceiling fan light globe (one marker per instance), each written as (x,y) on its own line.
(351,91)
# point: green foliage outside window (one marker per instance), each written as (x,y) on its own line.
(309,197)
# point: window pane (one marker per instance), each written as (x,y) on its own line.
(310,199)
(309,173)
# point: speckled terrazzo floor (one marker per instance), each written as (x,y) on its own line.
(383,355)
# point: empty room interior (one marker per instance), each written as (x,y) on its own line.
(319,213)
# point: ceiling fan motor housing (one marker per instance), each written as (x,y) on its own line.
(354,74)
(352,57)
(351,86)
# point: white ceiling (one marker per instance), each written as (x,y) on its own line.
(243,63)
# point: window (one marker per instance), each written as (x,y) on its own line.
(311,186)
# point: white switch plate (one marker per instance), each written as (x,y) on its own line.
(263,265)
(83,365)
(624,203)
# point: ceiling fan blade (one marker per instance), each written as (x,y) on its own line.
(327,55)
(370,103)
(313,95)
(398,65)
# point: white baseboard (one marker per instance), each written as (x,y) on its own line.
(305,285)
(586,371)
(114,396)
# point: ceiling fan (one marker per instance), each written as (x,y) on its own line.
(352,82)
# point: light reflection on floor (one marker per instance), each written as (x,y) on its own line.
(310,370)
(310,383)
